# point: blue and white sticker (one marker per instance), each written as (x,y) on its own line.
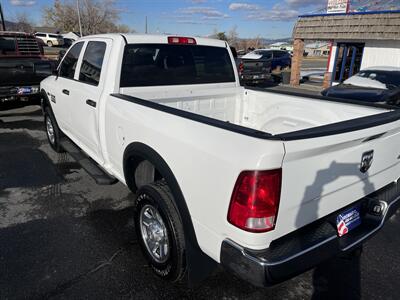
(348,220)
(24,90)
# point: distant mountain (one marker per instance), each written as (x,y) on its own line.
(22,27)
(9,24)
(272,41)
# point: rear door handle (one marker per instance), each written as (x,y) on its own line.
(66,92)
(91,102)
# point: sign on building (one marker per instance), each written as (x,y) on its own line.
(337,6)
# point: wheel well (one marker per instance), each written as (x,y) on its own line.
(44,99)
(139,171)
(199,264)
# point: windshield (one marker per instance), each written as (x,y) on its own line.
(375,79)
(164,64)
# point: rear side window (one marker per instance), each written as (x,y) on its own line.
(68,65)
(7,44)
(164,64)
(264,54)
(92,61)
(40,34)
(279,54)
(267,55)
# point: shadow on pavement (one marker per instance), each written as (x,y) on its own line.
(93,257)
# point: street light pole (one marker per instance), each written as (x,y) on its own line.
(79,17)
(3,23)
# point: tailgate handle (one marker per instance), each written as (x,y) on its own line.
(91,102)
(66,92)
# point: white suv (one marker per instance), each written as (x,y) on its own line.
(50,39)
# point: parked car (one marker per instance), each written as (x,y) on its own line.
(50,39)
(256,66)
(22,67)
(374,85)
(265,183)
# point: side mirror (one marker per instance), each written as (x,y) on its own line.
(61,53)
(60,56)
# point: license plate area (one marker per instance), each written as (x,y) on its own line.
(348,219)
(26,90)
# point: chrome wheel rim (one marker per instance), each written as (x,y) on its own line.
(50,130)
(154,233)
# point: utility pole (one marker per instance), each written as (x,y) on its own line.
(146,26)
(3,23)
(79,17)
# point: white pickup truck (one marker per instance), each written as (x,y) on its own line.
(267,184)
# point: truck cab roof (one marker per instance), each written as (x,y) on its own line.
(159,39)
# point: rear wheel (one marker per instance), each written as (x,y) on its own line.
(52,131)
(160,231)
(50,43)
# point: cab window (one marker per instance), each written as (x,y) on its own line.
(92,62)
(7,45)
(68,65)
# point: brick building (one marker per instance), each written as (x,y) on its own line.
(357,40)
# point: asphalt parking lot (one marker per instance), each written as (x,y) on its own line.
(64,237)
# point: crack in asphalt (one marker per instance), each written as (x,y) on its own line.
(62,287)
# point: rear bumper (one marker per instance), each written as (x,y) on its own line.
(309,246)
(255,77)
(14,93)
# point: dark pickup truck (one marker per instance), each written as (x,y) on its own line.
(256,66)
(22,68)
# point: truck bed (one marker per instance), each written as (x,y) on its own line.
(272,113)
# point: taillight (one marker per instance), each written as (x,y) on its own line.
(181,40)
(255,200)
(241,68)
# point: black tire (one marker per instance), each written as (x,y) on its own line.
(49,43)
(54,143)
(159,196)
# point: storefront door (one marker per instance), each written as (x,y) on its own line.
(347,60)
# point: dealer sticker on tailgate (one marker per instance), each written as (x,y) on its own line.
(348,220)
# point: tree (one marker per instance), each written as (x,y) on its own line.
(220,35)
(233,37)
(22,23)
(97,16)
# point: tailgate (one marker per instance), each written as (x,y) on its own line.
(255,66)
(22,72)
(325,173)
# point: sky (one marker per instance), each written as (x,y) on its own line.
(265,18)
